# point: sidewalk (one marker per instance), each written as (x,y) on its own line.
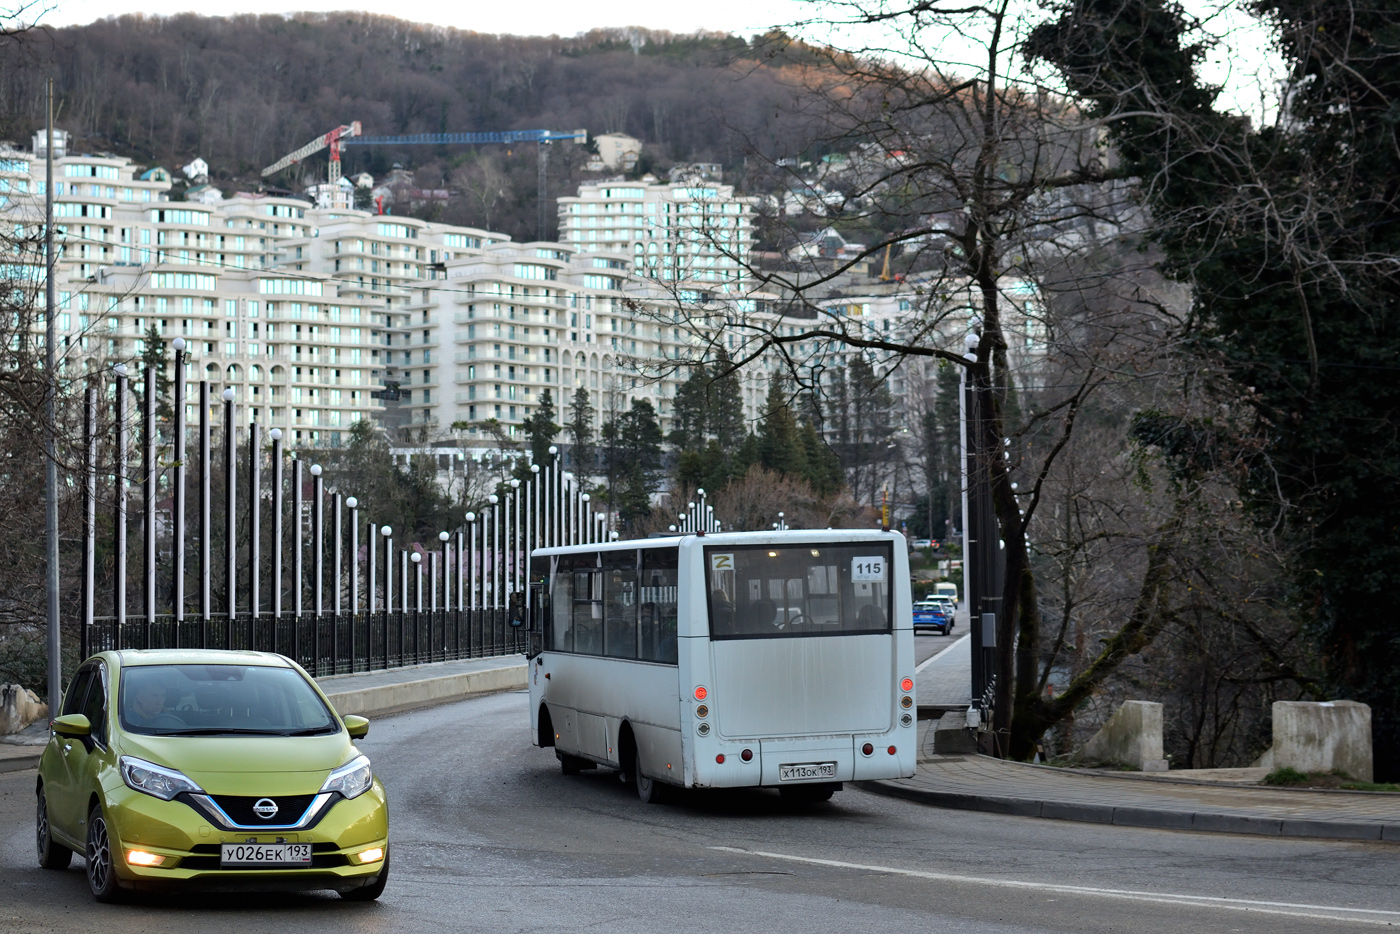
(369,694)
(995,786)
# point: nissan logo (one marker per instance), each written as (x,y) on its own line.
(265,808)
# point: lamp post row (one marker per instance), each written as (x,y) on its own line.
(549,508)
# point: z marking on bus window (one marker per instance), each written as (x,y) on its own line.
(724,562)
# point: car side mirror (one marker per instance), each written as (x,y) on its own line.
(357,727)
(73,724)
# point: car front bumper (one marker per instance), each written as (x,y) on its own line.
(190,845)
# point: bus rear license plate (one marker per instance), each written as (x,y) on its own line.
(806,771)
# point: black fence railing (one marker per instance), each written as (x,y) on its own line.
(330,644)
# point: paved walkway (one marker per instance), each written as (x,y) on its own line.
(982,783)
(945,680)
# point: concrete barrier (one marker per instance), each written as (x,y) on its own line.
(1131,737)
(1323,736)
(368,701)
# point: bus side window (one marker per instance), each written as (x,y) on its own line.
(657,621)
(588,612)
(561,633)
(620,615)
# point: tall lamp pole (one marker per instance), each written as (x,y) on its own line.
(50,429)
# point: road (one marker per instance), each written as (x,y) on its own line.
(488,835)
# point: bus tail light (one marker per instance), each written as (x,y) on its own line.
(720,758)
(702,711)
(906,702)
(907,684)
(700,692)
(746,755)
(891,750)
(867,749)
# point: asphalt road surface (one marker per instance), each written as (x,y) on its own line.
(488,835)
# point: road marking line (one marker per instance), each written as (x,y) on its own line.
(1299,910)
(947,648)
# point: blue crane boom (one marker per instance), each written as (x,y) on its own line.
(440,139)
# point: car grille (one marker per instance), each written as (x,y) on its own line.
(206,856)
(240,809)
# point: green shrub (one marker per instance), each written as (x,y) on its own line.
(1285,776)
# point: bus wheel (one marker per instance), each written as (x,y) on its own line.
(648,789)
(807,794)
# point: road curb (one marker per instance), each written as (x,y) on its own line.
(19,763)
(1153,818)
(387,699)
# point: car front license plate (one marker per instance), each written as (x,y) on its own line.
(805,771)
(265,854)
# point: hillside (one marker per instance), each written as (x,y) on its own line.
(241,91)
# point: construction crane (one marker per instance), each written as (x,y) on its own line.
(334,139)
(542,137)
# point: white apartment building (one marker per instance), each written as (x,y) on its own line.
(298,354)
(671,234)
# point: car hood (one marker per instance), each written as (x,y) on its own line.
(222,764)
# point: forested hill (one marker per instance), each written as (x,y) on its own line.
(242,91)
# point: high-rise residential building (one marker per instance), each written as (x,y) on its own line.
(673,234)
(298,354)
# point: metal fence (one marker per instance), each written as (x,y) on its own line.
(296,579)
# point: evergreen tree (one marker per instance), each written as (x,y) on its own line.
(780,446)
(633,452)
(690,425)
(541,429)
(155,359)
(824,474)
(725,404)
(580,428)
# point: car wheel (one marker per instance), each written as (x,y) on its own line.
(101,872)
(368,893)
(52,855)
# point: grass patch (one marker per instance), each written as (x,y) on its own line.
(1335,780)
(1370,786)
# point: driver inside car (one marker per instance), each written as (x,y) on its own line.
(147,703)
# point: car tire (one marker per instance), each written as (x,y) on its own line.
(101,865)
(368,893)
(52,855)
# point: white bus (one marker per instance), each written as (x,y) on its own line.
(745,659)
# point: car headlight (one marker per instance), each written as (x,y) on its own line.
(352,779)
(156,780)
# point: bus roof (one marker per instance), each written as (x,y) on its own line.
(770,537)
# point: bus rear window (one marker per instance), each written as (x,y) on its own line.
(816,589)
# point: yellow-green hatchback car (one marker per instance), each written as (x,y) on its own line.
(212,770)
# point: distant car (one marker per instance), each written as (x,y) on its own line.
(933,614)
(922,543)
(209,769)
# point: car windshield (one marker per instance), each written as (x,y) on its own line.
(221,700)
